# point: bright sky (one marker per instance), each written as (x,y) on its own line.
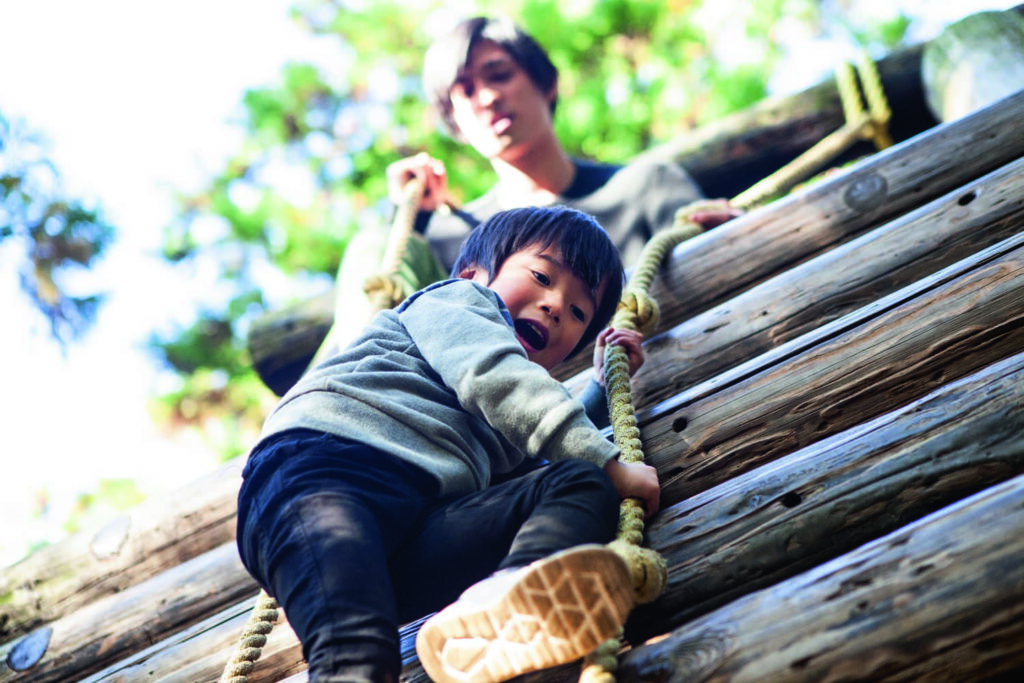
(135,99)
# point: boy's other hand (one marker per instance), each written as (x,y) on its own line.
(423,166)
(630,340)
(635,480)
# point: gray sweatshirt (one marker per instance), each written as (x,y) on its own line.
(631,203)
(442,383)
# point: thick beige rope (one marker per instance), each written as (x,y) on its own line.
(386,290)
(638,311)
(254,636)
(870,124)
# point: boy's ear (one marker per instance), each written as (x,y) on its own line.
(470,273)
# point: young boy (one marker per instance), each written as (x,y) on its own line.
(369,500)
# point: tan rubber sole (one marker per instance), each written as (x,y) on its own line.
(558,610)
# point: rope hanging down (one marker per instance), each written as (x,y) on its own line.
(386,290)
(636,311)
(254,637)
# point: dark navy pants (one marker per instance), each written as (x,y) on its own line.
(352,541)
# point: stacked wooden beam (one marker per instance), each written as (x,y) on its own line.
(834,403)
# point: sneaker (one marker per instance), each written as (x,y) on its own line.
(551,612)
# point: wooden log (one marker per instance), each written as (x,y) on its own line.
(729,155)
(713,267)
(198,654)
(62,578)
(973,63)
(883,356)
(939,600)
(808,507)
(830,285)
(832,496)
(112,628)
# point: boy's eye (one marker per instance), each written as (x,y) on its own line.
(578,313)
(541,278)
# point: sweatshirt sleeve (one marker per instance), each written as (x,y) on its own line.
(461,330)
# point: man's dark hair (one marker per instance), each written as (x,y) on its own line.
(448,56)
(583,245)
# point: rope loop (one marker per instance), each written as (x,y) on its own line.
(643,312)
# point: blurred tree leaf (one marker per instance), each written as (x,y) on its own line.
(58,236)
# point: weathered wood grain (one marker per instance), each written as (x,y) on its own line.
(730,154)
(939,600)
(973,62)
(198,654)
(830,497)
(830,285)
(872,361)
(807,508)
(108,629)
(62,578)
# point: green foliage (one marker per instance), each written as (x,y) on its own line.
(59,237)
(112,494)
(311,171)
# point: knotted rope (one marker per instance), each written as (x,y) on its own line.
(638,311)
(861,124)
(254,637)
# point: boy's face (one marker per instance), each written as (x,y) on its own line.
(551,307)
(498,109)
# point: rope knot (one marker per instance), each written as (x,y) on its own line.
(639,311)
(647,568)
(384,290)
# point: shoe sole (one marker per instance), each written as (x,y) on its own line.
(562,608)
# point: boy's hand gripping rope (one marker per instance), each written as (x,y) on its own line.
(638,311)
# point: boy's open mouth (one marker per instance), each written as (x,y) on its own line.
(532,334)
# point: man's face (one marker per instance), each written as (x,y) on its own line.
(551,307)
(497,108)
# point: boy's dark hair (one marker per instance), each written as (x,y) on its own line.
(582,243)
(447,57)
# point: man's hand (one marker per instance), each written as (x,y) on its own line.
(717,212)
(430,170)
(635,480)
(630,340)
